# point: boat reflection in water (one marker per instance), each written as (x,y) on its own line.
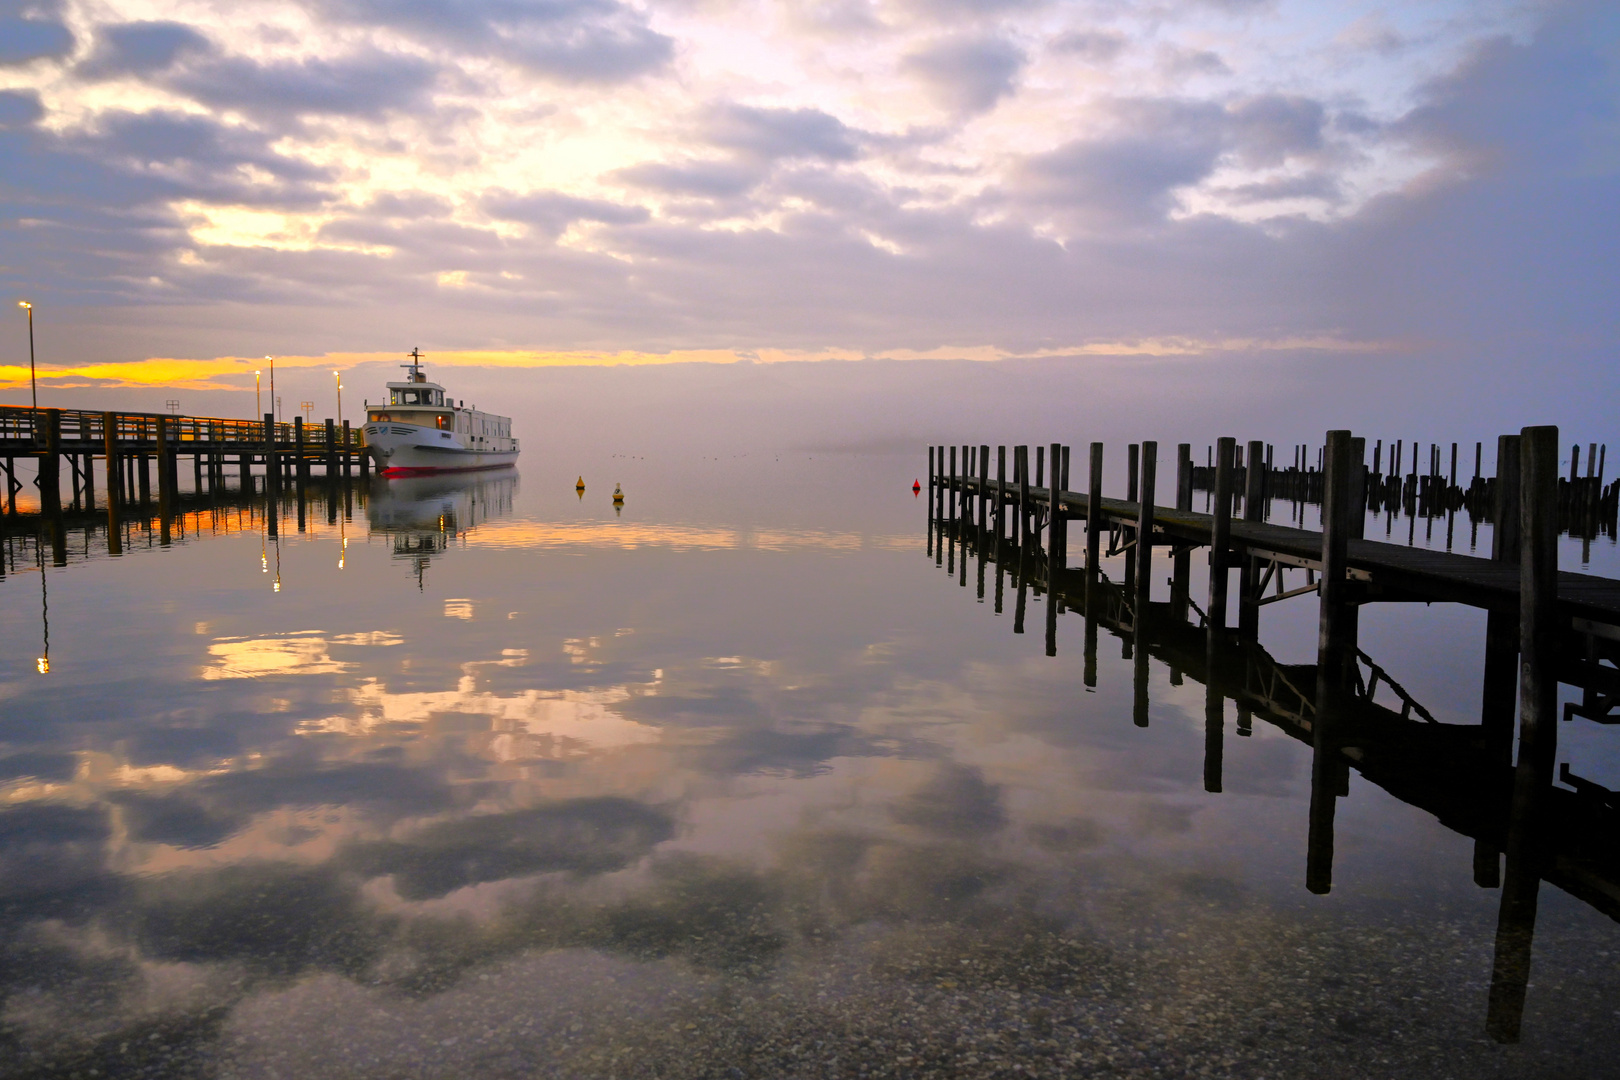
(424,515)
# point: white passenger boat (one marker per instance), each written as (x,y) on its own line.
(420,431)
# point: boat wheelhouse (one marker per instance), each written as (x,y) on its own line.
(421,430)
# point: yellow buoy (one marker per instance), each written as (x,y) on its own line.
(618,494)
(579,485)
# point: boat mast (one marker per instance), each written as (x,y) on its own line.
(415,366)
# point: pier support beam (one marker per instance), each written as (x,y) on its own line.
(1220,537)
(1094,523)
(1133,461)
(1144,528)
(1254,504)
(272,460)
(115,492)
(1335,657)
(1538,727)
(49,476)
(1498,698)
(166,476)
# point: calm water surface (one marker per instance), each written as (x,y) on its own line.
(481,778)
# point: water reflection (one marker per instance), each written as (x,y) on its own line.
(680,798)
(423,516)
(1366,722)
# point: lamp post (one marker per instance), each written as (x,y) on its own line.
(275,402)
(258,405)
(32,385)
(337,377)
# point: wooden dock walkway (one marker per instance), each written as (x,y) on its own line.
(134,446)
(1544,627)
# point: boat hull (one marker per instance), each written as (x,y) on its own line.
(411,450)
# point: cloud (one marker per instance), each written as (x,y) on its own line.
(367,83)
(552,212)
(968,74)
(140,48)
(583,41)
(1182,63)
(31,32)
(776,134)
(704,179)
(1127,176)
(1092,46)
(19,108)
(1270,128)
(1321,186)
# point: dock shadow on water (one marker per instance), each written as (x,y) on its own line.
(483,778)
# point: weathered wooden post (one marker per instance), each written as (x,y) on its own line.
(115,473)
(984,486)
(1498,700)
(928,513)
(300,461)
(1055,543)
(1021,466)
(1220,538)
(1249,568)
(1538,727)
(1001,504)
(166,481)
(48,478)
(1094,513)
(1144,530)
(272,459)
(1358,488)
(1335,657)
(331,450)
(1133,464)
(1181,572)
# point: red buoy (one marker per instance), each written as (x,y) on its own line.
(916,486)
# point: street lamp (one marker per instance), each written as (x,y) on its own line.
(258,405)
(337,377)
(275,402)
(32,385)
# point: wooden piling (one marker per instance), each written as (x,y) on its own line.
(1220,538)
(984,485)
(1001,496)
(272,459)
(1056,535)
(1094,517)
(1538,730)
(1021,466)
(1144,530)
(1498,697)
(1133,464)
(1336,658)
(48,478)
(1249,571)
(115,495)
(1181,572)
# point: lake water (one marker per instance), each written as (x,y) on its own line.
(484,778)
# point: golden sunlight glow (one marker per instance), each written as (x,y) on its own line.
(233,372)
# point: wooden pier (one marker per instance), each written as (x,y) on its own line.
(142,454)
(1544,627)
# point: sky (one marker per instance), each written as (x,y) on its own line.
(1406,207)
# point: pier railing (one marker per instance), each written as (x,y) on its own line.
(22,427)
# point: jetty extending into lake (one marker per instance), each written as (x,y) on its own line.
(1543,627)
(142,454)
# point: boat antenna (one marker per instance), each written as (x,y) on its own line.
(415,366)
